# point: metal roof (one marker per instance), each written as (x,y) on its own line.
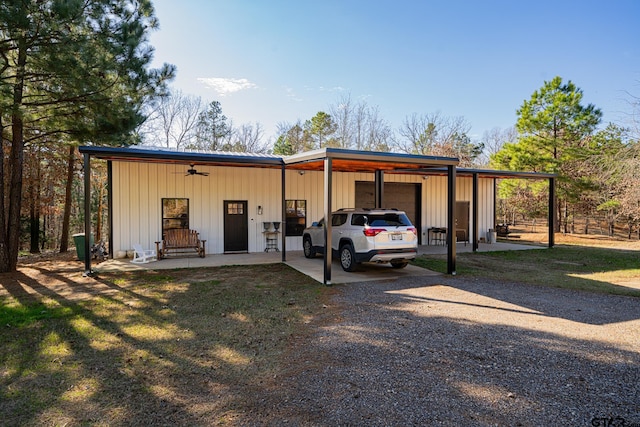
(342,160)
(164,155)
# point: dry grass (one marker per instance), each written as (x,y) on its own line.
(185,347)
(202,346)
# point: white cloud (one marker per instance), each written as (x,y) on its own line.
(331,89)
(291,94)
(226,86)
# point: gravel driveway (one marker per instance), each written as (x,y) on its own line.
(450,351)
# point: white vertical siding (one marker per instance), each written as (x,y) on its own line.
(139,187)
(434,202)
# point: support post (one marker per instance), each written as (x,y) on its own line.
(283,227)
(379,189)
(110,205)
(451,220)
(495,202)
(474,212)
(328,178)
(87,215)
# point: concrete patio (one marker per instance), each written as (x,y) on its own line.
(313,268)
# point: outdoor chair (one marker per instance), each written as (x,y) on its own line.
(142,256)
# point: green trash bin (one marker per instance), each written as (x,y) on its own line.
(78,240)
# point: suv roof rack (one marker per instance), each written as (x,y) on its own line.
(365,209)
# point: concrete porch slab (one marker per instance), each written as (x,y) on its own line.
(313,268)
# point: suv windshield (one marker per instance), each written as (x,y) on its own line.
(381,220)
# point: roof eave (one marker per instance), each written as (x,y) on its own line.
(125,154)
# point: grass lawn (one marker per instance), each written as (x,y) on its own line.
(613,271)
(200,346)
(183,347)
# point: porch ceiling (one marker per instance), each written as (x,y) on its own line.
(361,161)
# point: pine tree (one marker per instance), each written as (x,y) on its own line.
(76,71)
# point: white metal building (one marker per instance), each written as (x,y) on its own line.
(228,197)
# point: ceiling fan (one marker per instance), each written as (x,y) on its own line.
(193,171)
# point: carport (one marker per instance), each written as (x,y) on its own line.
(496,175)
(331,160)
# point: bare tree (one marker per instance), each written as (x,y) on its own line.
(342,114)
(173,120)
(378,132)
(493,140)
(360,126)
(248,138)
(420,134)
(437,135)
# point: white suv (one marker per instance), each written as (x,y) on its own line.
(365,235)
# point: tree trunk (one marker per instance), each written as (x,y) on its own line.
(66,218)
(573,222)
(16,160)
(34,223)
(611,226)
(558,226)
(9,260)
(4,245)
(43,242)
(34,204)
(98,235)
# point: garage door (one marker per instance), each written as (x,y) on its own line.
(403,196)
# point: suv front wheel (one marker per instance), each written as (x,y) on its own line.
(347,258)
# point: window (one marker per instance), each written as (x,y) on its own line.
(358,220)
(235,208)
(388,220)
(296,217)
(175,214)
(338,219)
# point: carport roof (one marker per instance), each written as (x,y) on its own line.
(365,161)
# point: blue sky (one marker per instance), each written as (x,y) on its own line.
(280,61)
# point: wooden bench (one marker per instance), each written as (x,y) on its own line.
(180,240)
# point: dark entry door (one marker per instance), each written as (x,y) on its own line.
(236,226)
(462,221)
